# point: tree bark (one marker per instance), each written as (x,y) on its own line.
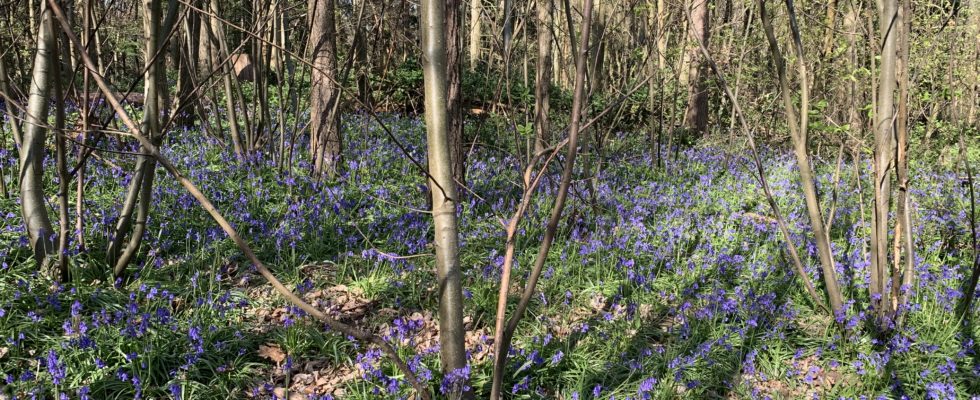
(33,207)
(183,56)
(884,154)
(140,192)
(219,55)
(454,94)
(443,189)
(696,114)
(798,124)
(61,163)
(662,13)
(542,87)
(325,136)
(476,33)
(828,36)
(903,275)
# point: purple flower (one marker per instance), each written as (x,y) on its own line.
(556,358)
(55,367)
(647,386)
(456,381)
(940,391)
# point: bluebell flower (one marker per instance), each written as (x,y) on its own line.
(55,367)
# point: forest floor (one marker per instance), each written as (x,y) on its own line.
(664,282)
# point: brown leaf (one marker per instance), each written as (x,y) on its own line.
(272,352)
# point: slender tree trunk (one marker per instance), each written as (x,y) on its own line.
(443,189)
(654,86)
(884,154)
(8,99)
(798,124)
(761,174)
(662,14)
(12,120)
(504,334)
(853,94)
(325,136)
(88,35)
(33,207)
(903,276)
(476,33)
(970,284)
(831,24)
(542,87)
(508,27)
(60,159)
(140,192)
(183,56)
(362,64)
(219,54)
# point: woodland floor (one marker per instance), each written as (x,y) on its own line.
(665,282)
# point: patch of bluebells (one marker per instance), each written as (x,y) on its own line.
(639,233)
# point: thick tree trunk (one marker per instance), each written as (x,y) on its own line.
(33,207)
(326,141)
(442,187)
(454,94)
(696,114)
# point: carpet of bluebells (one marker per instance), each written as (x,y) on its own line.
(664,283)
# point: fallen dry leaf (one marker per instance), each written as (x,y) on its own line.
(273,352)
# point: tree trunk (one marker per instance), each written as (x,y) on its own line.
(504,334)
(442,187)
(798,124)
(903,275)
(219,54)
(828,35)
(183,56)
(884,154)
(140,192)
(454,95)
(33,207)
(662,34)
(696,115)
(542,87)
(325,136)
(60,158)
(476,33)
(363,64)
